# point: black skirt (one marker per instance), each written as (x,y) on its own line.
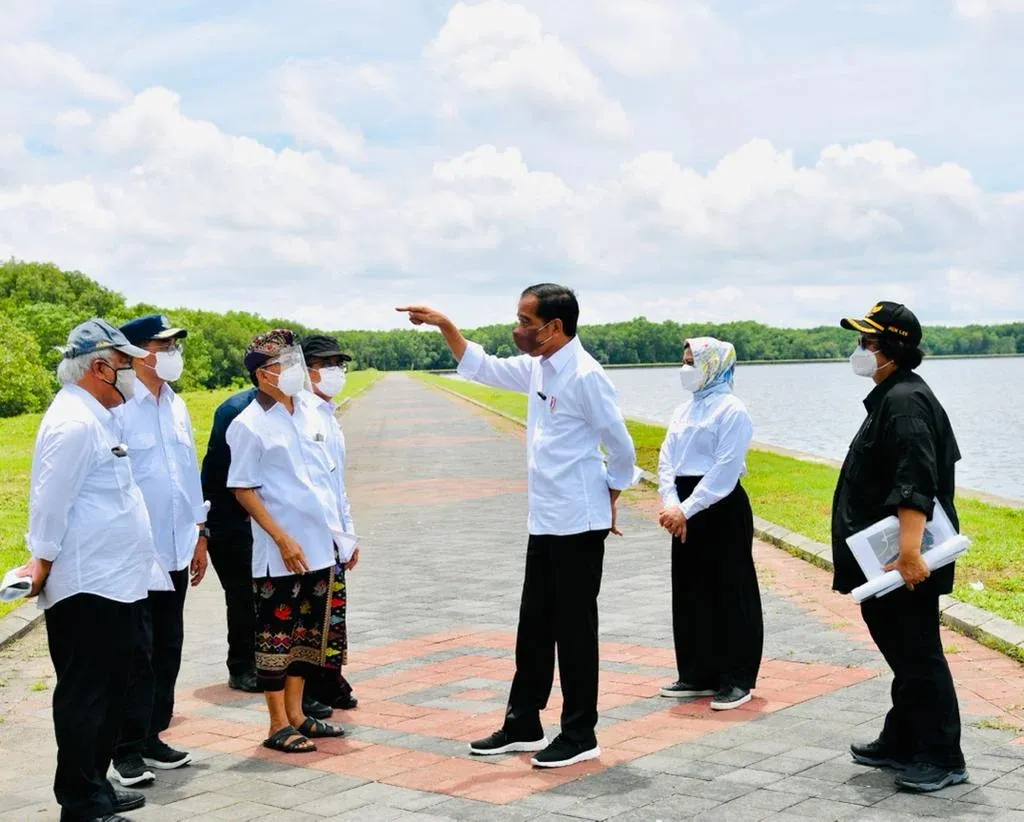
(716,603)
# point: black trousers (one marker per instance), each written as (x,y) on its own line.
(558,612)
(90,641)
(231,554)
(158,633)
(923,724)
(717,620)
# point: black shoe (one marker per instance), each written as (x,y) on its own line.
(346,703)
(244,682)
(920,777)
(563,752)
(682,690)
(876,755)
(726,699)
(317,710)
(128,800)
(500,742)
(132,771)
(158,754)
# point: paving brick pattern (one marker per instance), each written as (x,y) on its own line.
(439,497)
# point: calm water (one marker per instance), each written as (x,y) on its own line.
(816,408)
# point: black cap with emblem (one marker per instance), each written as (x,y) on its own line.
(888,319)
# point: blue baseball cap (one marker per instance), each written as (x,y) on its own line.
(98,335)
(151,327)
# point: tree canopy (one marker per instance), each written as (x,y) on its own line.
(40,303)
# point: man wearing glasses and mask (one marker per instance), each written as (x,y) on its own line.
(572,492)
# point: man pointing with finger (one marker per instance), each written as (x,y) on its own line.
(572,493)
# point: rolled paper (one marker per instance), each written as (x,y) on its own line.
(935,558)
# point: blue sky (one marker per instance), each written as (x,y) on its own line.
(781,160)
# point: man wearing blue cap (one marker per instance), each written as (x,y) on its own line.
(158,433)
(92,552)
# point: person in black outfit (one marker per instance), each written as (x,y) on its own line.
(900,462)
(230,549)
(230,546)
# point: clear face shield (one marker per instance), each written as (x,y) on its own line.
(293,375)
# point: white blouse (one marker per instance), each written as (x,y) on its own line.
(707,438)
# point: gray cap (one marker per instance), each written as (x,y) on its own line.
(98,335)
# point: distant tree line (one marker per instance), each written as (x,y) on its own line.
(40,303)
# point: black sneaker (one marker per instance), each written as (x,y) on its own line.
(728,698)
(563,752)
(500,742)
(682,690)
(876,755)
(921,777)
(132,771)
(247,682)
(128,801)
(158,754)
(317,710)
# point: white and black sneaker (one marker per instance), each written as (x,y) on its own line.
(158,754)
(563,752)
(730,697)
(132,771)
(684,690)
(500,742)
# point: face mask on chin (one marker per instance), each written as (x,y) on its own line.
(526,338)
(332,380)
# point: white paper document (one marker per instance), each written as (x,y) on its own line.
(14,586)
(878,545)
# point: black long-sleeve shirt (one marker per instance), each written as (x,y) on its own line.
(226,516)
(903,456)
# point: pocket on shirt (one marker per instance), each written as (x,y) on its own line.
(141,454)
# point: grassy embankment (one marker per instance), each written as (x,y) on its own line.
(17,437)
(798,495)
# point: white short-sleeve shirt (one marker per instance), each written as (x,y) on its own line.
(286,459)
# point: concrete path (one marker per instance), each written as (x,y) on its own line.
(438,492)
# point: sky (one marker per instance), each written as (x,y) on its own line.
(786,161)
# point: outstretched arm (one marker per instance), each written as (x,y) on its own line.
(423,315)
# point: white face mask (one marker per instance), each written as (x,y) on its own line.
(124,382)
(863,362)
(292,380)
(690,378)
(332,380)
(169,365)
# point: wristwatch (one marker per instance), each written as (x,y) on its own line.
(204,531)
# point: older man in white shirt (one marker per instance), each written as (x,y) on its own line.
(158,433)
(572,493)
(92,552)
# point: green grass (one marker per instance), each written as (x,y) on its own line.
(17,437)
(798,496)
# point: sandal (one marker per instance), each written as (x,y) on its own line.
(315,729)
(289,740)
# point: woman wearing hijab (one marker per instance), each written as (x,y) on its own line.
(716,605)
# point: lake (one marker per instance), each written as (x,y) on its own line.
(817,407)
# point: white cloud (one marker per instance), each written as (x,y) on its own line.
(35,65)
(984,9)
(306,117)
(500,52)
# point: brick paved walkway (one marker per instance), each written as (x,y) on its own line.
(439,497)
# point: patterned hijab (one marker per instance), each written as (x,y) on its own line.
(716,361)
(266,346)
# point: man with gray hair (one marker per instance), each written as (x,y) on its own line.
(92,552)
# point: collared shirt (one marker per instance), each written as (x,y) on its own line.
(706,438)
(285,459)
(336,447)
(226,516)
(162,451)
(85,512)
(903,456)
(572,411)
